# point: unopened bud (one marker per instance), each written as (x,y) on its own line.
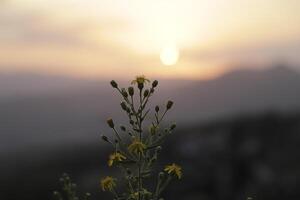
(110,123)
(173,126)
(156,108)
(151,90)
(140,86)
(169,105)
(124,93)
(123,128)
(146,92)
(104,138)
(131,91)
(154,83)
(114,84)
(123,105)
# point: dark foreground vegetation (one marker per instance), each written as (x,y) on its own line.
(249,156)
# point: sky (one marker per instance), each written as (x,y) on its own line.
(110,38)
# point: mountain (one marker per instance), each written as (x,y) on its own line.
(242,91)
(38,111)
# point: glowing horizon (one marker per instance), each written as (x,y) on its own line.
(112,38)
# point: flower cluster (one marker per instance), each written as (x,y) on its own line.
(136,150)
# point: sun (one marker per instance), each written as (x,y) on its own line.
(169,55)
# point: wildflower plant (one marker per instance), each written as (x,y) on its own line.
(69,190)
(136,148)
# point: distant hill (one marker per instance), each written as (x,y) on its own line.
(43,110)
(242,91)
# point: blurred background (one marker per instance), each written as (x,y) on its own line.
(231,67)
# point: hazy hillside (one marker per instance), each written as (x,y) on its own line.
(242,91)
(42,111)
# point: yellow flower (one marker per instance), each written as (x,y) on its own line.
(108,183)
(140,80)
(115,157)
(174,169)
(137,147)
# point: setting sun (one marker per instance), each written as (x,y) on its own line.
(169,55)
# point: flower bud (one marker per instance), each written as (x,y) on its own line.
(151,90)
(173,126)
(124,93)
(146,92)
(169,105)
(104,138)
(110,123)
(114,84)
(123,128)
(131,91)
(140,86)
(156,108)
(154,83)
(123,105)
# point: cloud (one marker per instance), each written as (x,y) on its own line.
(261,52)
(41,42)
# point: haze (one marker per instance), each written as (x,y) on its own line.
(120,39)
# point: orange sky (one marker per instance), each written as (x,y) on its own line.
(101,39)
